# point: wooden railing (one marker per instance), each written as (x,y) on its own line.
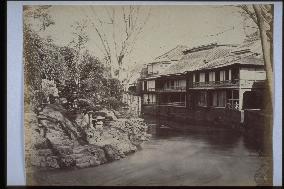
(233,104)
(225,83)
(172,89)
(149,103)
(165,104)
(149,90)
(173,104)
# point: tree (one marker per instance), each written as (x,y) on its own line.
(78,43)
(96,87)
(40,15)
(125,23)
(262,16)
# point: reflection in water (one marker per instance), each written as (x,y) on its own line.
(194,156)
(218,137)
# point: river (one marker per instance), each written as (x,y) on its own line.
(198,156)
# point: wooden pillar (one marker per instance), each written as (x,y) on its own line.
(187,95)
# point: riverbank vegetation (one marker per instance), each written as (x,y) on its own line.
(72,104)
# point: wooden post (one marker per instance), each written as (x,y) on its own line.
(187,83)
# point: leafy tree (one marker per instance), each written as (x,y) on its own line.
(78,44)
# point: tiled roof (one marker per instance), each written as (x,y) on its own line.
(245,59)
(195,60)
(174,54)
(218,56)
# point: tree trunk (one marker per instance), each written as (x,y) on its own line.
(266,49)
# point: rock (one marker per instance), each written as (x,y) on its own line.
(78,156)
(41,143)
(52,162)
(59,142)
(64,150)
(67,161)
(80,150)
(89,155)
(84,159)
(35,159)
(83,165)
(94,162)
(82,120)
(45,152)
(59,119)
(98,154)
(87,161)
(111,152)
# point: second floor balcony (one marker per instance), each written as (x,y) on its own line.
(225,83)
(168,89)
(242,83)
(172,89)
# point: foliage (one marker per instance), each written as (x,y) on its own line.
(49,88)
(32,58)
(46,63)
(43,16)
(104,91)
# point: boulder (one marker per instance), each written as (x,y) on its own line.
(89,155)
(67,161)
(58,119)
(111,152)
(64,150)
(97,153)
(83,165)
(45,152)
(52,162)
(80,149)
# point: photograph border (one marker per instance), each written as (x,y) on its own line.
(15,129)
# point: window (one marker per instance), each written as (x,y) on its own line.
(219,99)
(217,76)
(196,77)
(202,99)
(211,76)
(215,98)
(206,77)
(193,78)
(202,77)
(222,75)
(227,75)
(177,83)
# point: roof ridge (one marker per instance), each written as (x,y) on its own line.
(165,54)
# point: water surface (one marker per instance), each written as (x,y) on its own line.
(198,156)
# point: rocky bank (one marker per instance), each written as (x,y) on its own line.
(54,139)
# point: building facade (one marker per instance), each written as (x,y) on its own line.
(209,83)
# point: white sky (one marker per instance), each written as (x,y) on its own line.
(167,27)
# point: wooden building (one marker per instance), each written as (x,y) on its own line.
(211,81)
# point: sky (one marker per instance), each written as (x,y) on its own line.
(167,27)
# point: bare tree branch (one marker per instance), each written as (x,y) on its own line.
(250,13)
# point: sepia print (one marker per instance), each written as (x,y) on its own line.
(143,95)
